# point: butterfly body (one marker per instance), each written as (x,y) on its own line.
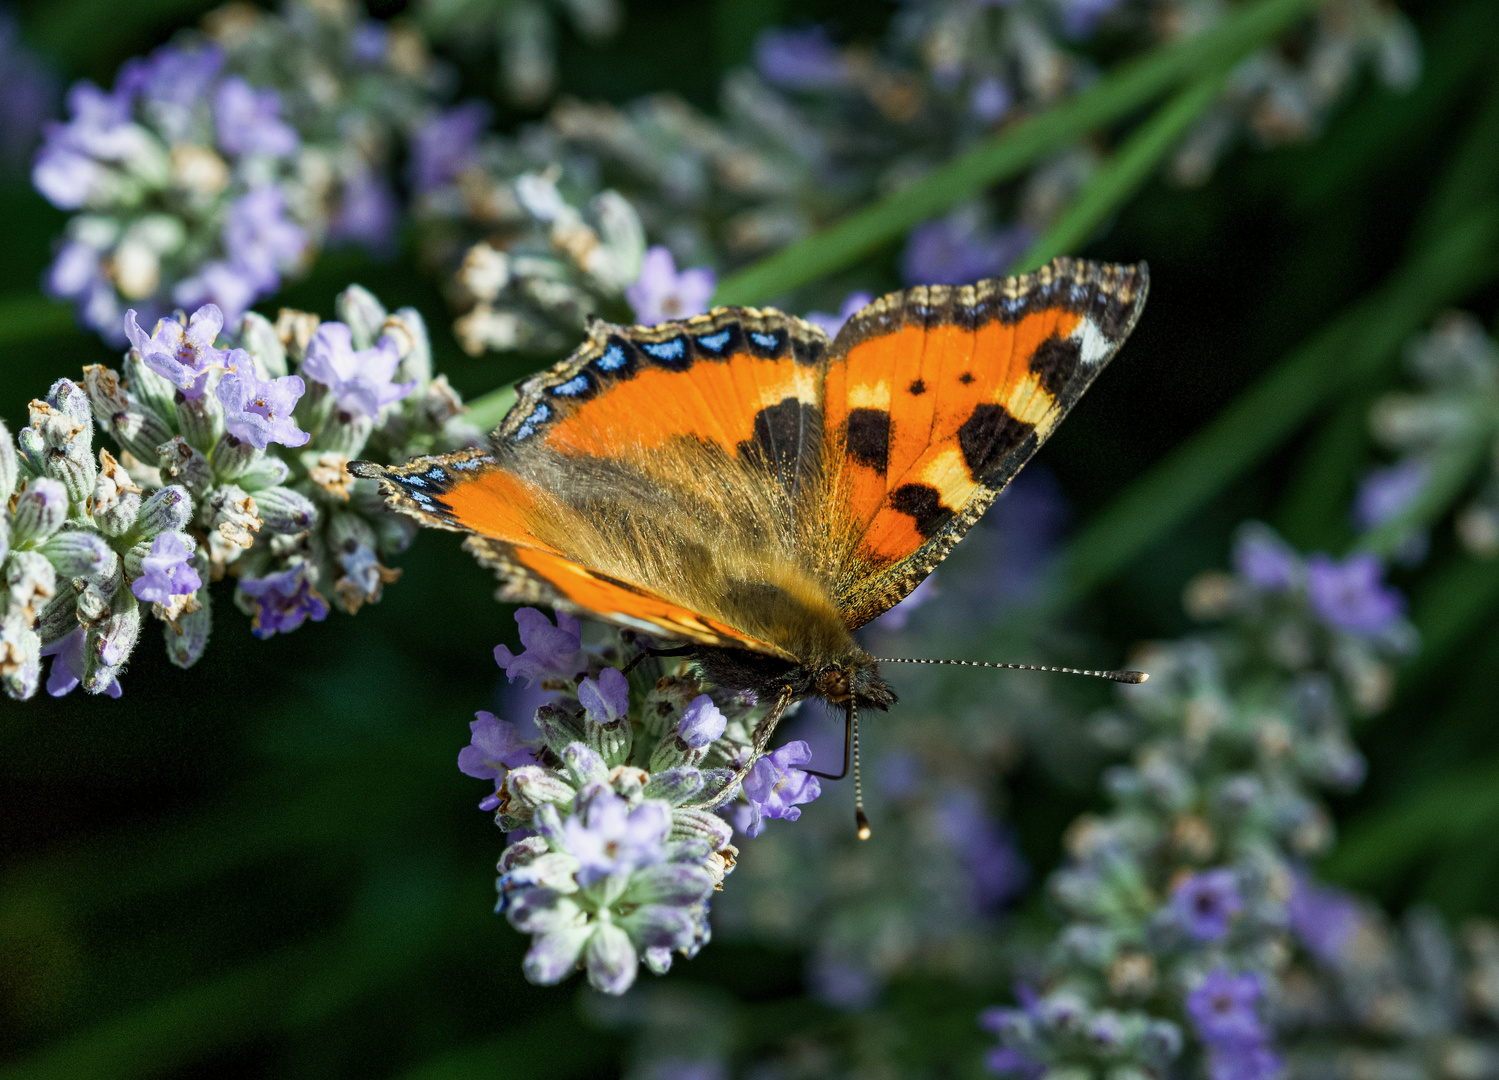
(738,482)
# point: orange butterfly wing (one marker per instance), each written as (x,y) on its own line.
(935,397)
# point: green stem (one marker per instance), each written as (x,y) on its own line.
(1121,176)
(1008,153)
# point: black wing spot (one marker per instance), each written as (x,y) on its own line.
(987,434)
(924,503)
(777,442)
(868,439)
(917,388)
(1055,362)
(966,378)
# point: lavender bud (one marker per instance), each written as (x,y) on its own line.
(66,432)
(167,510)
(283,510)
(676,786)
(676,884)
(32,456)
(702,723)
(531,785)
(20,656)
(76,553)
(40,510)
(232,457)
(259,338)
(611,960)
(611,741)
(348,533)
(187,635)
(69,398)
(365,316)
(201,420)
(106,394)
(656,960)
(4,532)
(701,825)
(586,766)
(267,470)
(91,606)
(110,643)
(140,432)
(1063,1011)
(554,956)
(115,502)
(59,618)
(1162,1041)
(408,330)
(8,465)
(521,853)
(345,432)
(558,728)
(155,393)
(185,464)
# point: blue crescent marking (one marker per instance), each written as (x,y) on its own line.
(765,341)
(715,342)
(420,497)
(612,360)
(576,385)
(538,415)
(665,350)
(471,463)
(417,480)
(435,473)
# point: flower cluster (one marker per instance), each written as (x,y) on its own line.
(228,461)
(218,165)
(1177,902)
(615,847)
(1447,435)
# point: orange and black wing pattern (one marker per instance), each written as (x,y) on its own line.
(935,397)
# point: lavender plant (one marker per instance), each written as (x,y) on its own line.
(225,461)
(219,165)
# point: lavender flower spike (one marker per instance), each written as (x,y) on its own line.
(550,651)
(182,355)
(360,381)
(1348,595)
(283,601)
(167,571)
(1204,903)
(1265,560)
(661,293)
(259,411)
(775,785)
(1222,1009)
(68,664)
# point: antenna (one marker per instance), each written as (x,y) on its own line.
(851,753)
(1112,676)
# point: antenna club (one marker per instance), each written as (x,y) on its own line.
(863,823)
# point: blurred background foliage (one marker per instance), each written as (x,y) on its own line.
(268,865)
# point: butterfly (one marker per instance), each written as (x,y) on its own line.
(740,483)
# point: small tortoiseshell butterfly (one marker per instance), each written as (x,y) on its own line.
(738,482)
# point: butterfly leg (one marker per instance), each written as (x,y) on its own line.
(759,741)
(685,650)
(848,738)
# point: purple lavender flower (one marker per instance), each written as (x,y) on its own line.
(360,381)
(182,355)
(607,837)
(985,847)
(606,700)
(1385,494)
(1348,596)
(897,617)
(68,663)
(551,652)
(1204,903)
(1265,560)
(660,293)
(67,169)
(248,121)
(447,145)
(1323,918)
(260,239)
(1081,17)
(28,93)
(167,571)
(368,42)
(776,785)
(259,411)
(831,324)
(170,77)
(494,745)
(990,99)
(1222,1009)
(77,274)
(228,287)
(955,251)
(366,214)
(803,59)
(701,722)
(283,601)
(1002,1061)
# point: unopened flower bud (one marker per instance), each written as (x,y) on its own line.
(233,457)
(77,553)
(60,617)
(345,433)
(185,464)
(4,533)
(284,511)
(259,338)
(154,394)
(187,635)
(20,656)
(106,393)
(39,511)
(201,420)
(168,510)
(701,825)
(8,465)
(531,786)
(90,606)
(676,786)
(110,643)
(66,433)
(265,471)
(115,502)
(558,728)
(140,432)
(30,582)
(357,307)
(585,765)
(32,459)
(408,330)
(234,515)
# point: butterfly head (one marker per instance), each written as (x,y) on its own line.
(854,678)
